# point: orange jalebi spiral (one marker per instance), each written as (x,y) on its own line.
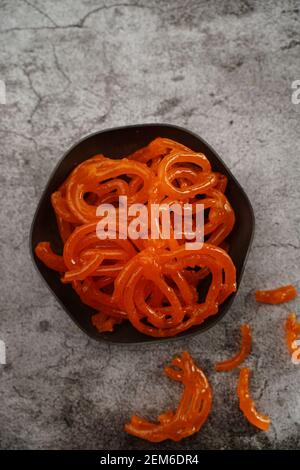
(175,313)
(153,283)
(94,178)
(192,411)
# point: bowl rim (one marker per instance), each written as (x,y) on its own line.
(151,340)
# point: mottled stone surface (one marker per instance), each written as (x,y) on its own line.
(221,69)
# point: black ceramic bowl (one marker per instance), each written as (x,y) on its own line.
(117,143)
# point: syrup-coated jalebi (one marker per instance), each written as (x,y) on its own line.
(247,405)
(292,332)
(153,283)
(276,296)
(192,411)
(243,353)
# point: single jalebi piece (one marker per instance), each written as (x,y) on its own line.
(192,411)
(276,296)
(220,219)
(92,266)
(247,405)
(204,180)
(86,255)
(176,313)
(58,198)
(53,261)
(157,149)
(105,179)
(96,293)
(186,177)
(292,332)
(240,357)
(218,223)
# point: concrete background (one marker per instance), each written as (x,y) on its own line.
(221,69)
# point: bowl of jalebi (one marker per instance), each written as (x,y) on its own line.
(122,287)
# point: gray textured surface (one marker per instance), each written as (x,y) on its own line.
(222,69)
